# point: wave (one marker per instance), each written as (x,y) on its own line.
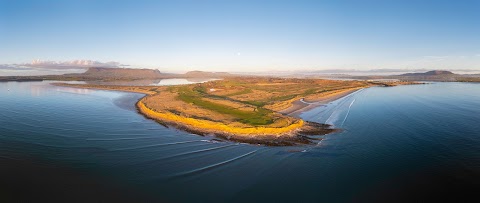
(186,173)
(121,138)
(348,112)
(335,107)
(195,152)
(155,145)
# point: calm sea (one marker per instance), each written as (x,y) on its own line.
(398,144)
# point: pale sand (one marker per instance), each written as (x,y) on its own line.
(301,106)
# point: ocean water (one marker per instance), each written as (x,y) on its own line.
(397,144)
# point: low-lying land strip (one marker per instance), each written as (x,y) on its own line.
(246,109)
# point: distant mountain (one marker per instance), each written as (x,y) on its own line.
(111,74)
(434,75)
(119,74)
(431,73)
(100,73)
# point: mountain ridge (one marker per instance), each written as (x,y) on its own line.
(430,73)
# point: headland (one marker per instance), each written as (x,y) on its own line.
(257,110)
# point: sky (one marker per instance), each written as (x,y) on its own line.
(244,35)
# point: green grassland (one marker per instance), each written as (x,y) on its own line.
(284,89)
(194,96)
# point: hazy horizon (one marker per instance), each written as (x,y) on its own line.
(66,67)
(244,36)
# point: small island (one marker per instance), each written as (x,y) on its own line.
(257,110)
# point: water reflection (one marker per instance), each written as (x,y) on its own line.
(157,82)
(40,88)
(179,81)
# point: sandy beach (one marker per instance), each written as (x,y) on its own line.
(303,105)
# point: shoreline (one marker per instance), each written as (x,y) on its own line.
(291,136)
(300,106)
(293,131)
(294,134)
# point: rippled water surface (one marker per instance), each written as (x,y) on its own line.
(397,144)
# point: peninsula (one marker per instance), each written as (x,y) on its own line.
(258,110)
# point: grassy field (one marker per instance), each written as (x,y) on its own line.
(258,117)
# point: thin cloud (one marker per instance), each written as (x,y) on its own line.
(14,67)
(75,64)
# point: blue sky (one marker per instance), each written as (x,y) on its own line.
(245,35)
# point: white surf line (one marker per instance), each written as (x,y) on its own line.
(311,147)
(341,100)
(155,145)
(120,138)
(333,111)
(213,165)
(349,107)
(196,151)
(348,95)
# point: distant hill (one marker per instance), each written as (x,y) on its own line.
(133,74)
(434,75)
(110,74)
(121,73)
(203,74)
(430,73)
